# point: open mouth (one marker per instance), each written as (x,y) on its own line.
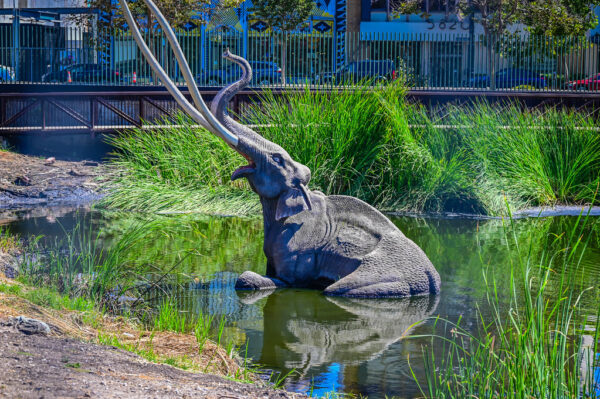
(245,170)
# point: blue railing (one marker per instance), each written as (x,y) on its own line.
(453,61)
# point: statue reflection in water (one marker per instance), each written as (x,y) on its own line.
(310,332)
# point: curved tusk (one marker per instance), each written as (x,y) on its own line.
(187,74)
(173,90)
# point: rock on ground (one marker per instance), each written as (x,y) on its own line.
(36,366)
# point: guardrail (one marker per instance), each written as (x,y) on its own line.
(96,109)
(453,61)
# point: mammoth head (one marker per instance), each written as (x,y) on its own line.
(273,174)
(271,171)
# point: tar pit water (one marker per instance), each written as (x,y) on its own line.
(371,347)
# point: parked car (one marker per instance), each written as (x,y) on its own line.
(88,73)
(7,74)
(263,72)
(590,83)
(377,70)
(510,78)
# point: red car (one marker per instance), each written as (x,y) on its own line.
(591,83)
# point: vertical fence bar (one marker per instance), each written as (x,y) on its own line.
(442,60)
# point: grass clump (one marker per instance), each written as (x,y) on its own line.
(168,318)
(48,298)
(544,346)
(82,264)
(538,157)
(339,136)
(373,144)
(181,169)
(8,242)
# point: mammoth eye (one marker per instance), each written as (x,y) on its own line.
(277,159)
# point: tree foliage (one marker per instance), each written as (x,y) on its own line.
(561,17)
(283,15)
(177,12)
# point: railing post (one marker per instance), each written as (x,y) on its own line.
(2,110)
(236,104)
(16,25)
(93,112)
(43,106)
(141,111)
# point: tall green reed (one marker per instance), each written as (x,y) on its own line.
(425,167)
(176,169)
(82,264)
(374,144)
(533,342)
(339,135)
(536,157)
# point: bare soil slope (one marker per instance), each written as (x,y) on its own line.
(36,366)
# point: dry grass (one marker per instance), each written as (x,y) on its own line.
(8,244)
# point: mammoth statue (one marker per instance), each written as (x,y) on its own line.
(336,243)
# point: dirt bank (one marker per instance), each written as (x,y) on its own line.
(27,181)
(67,363)
(36,366)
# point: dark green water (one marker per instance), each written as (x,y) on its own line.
(333,344)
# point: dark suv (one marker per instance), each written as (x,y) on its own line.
(374,70)
(88,73)
(263,72)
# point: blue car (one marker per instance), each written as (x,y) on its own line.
(510,78)
(7,74)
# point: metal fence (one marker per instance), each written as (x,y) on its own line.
(453,61)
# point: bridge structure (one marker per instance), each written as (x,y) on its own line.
(85,109)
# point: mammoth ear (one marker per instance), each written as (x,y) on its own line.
(293,201)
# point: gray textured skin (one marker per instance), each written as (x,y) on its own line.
(336,243)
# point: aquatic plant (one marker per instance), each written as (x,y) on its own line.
(537,157)
(543,346)
(80,264)
(181,169)
(339,136)
(168,318)
(374,144)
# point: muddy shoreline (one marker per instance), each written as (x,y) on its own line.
(28,182)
